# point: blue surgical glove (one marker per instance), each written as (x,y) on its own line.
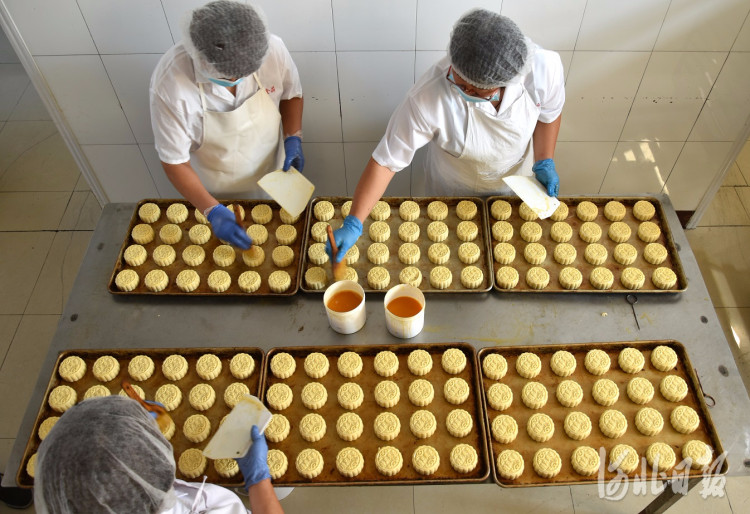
(226,228)
(254,465)
(154,414)
(546,174)
(293,151)
(345,237)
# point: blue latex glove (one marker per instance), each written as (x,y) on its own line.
(226,228)
(546,174)
(345,237)
(254,465)
(293,151)
(153,414)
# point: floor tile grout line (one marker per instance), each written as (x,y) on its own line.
(13,337)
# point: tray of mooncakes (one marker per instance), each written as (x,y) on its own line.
(171,250)
(438,244)
(589,245)
(197,386)
(375,414)
(587,413)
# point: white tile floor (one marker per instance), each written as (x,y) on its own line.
(47,215)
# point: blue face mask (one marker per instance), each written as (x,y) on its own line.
(475,99)
(226,83)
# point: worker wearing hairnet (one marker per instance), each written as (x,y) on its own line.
(108,455)
(489,109)
(226,108)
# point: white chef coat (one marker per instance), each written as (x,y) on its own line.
(433,112)
(211,498)
(176,110)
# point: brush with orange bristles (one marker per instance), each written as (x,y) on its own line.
(339,273)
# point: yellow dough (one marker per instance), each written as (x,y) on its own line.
(569,393)
(563,363)
(504,253)
(106,368)
(625,458)
(684,419)
(96,391)
(419,362)
(464,458)
(314,395)
(595,254)
(283,365)
(534,253)
(316,365)
(386,363)
(468,253)
(655,253)
(425,460)
(177,213)
(466,210)
(510,464)
(601,278)
(379,231)
(202,397)
(149,212)
(352,255)
(613,423)
(192,463)
(526,212)
(199,234)
(286,234)
(456,390)
(502,231)
(649,232)
(605,392)
(664,358)
(625,254)
(196,428)
(408,232)
(278,428)
(200,218)
(140,368)
(561,232)
(577,425)
(673,388)
(286,216)
(506,277)
(378,277)
(277,463)
(142,234)
(279,281)
(661,456)
(234,393)
(170,234)
(255,256)
(547,463)
(439,253)
(316,278)
(534,395)
(241,366)
(282,256)
(422,424)
(471,277)
(323,210)
(614,211)
(226,468)
(561,213)
(219,281)
(649,421)
(169,395)
(346,208)
(349,426)
(258,233)
(309,463)
(504,429)
(387,426)
(350,396)
(467,231)
(453,361)
(437,210)
(279,396)
(540,427)
(138,390)
(640,390)
(597,362)
(644,210)
(249,281)
(238,208)
(408,253)
(349,462)
(388,461)
(441,277)
(164,255)
(528,365)
(632,278)
(585,460)
(697,453)
(459,423)
(664,278)
(501,210)
(387,394)
(590,232)
(408,210)
(565,254)
(312,427)
(126,280)
(208,366)
(494,366)
(500,396)
(193,255)
(587,211)
(319,231)
(381,211)
(619,232)
(46,426)
(537,278)
(630,360)
(531,232)
(349,364)
(72,368)
(421,392)
(135,255)
(224,255)
(570,278)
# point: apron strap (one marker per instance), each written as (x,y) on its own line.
(257,80)
(203,96)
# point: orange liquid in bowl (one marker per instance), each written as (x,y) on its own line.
(344,301)
(404,306)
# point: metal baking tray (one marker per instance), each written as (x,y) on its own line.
(553,267)
(368,443)
(560,442)
(179,415)
(394,265)
(205,269)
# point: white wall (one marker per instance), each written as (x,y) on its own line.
(658,90)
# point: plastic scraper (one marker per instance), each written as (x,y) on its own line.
(290,189)
(232,440)
(531,191)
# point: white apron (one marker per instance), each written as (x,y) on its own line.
(239,146)
(496,146)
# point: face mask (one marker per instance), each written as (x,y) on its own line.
(226,83)
(494,98)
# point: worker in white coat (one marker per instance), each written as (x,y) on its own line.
(107,455)
(226,108)
(489,109)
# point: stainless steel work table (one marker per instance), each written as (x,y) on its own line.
(94,318)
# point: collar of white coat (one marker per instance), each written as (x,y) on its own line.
(512,93)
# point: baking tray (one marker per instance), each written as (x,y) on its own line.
(205,269)
(179,415)
(394,265)
(526,446)
(673,260)
(368,443)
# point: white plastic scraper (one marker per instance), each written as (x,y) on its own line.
(290,189)
(531,191)
(232,440)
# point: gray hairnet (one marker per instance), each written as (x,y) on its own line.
(226,39)
(488,50)
(104,455)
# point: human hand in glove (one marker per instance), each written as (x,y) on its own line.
(225,227)
(345,237)
(546,174)
(254,465)
(293,151)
